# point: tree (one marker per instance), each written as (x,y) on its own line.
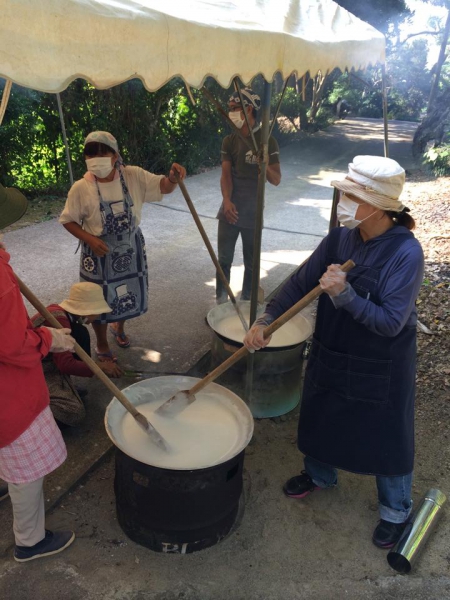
(436,123)
(381,14)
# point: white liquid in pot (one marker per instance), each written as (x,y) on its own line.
(202,434)
(288,335)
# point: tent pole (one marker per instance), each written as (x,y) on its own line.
(385,110)
(333,216)
(5,98)
(66,145)
(258,227)
(238,89)
(277,110)
(211,98)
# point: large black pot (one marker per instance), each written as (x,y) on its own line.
(177,511)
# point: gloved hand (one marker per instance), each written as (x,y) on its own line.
(62,341)
(333,281)
(254,340)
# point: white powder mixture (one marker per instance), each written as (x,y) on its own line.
(205,433)
(290,334)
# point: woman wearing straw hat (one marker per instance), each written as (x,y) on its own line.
(84,304)
(103,210)
(31,445)
(357,410)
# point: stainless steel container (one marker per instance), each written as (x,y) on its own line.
(277,371)
(407,550)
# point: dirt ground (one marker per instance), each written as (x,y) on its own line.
(429,201)
(282,549)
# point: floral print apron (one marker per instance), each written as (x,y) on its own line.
(123,272)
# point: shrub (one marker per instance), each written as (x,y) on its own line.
(438,159)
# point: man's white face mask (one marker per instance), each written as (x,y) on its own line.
(235,117)
(346,212)
(100,166)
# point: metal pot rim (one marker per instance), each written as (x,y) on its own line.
(115,411)
(222,311)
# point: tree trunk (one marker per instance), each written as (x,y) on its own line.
(318,89)
(432,127)
(440,62)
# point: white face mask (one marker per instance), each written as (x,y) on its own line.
(100,166)
(346,212)
(235,117)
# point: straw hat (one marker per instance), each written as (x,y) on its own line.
(13,206)
(85,299)
(376,180)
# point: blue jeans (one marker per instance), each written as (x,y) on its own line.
(226,244)
(394,493)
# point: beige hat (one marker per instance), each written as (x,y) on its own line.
(376,180)
(85,299)
(13,206)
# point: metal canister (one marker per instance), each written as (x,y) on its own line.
(407,550)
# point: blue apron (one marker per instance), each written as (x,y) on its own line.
(123,272)
(357,412)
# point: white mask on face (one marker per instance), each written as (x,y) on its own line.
(235,117)
(346,212)
(100,166)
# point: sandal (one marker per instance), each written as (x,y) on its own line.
(105,356)
(121,338)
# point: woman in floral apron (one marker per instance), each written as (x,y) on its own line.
(103,210)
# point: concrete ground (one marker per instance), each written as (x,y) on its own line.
(283,549)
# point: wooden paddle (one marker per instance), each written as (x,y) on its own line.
(139,417)
(211,250)
(183,398)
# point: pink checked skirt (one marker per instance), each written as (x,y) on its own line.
(38,451)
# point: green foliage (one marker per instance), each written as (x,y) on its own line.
(438,159)
(292,107)
(324,117)
(153,131)
(409,80)
(408,83)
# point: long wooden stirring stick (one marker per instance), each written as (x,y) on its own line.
(210,250)
(138,416)
(182,399)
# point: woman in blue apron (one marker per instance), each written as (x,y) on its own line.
(103,210)
(357,410)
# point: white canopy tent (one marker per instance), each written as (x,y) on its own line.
(46,44)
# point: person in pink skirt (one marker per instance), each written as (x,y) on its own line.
(31,445)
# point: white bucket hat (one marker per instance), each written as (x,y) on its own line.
(85,299)
(376,180)
(103,137)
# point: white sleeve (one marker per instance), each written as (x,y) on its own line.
(150,186)
(72,210)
